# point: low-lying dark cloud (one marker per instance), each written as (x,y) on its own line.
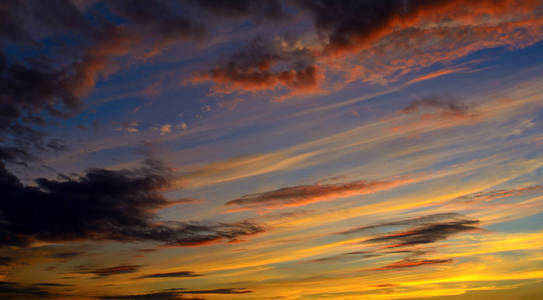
(102,205)
(108,271)
(6,260)
(171,274)
(179,294)
(12,290)
(53,284)
(151,296)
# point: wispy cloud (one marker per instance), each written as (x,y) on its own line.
(306,194)
(178,293)
(411,263)
(179,274)
(108,271)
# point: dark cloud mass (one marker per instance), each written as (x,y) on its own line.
(101,205)
(5,260)
(12,290)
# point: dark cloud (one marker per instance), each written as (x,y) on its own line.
(268,9)
(150,296)
(424,231)
(102,205)
(178,294)
(306,194)
(225,291)
(171,274)
(53,284)
(422,220)
(12,290)
(161,22)
(412,236)
(104,272)
(446,104)
(5,260)
(65,255)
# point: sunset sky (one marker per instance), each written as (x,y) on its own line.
(271,149)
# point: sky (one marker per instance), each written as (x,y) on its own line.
(271,149)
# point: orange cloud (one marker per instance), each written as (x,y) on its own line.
(410,263)
(306,194)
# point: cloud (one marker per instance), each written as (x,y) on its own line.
(352,25)
(264,65)
(411,263)
(306,194)
(445,104)
(171,274)
(412,239)
(150,296)
(53,284)
(12,290)
(497,194)
(425,234)
(5,260)
(102,205)
(104,272)
(346,256)
(437,112)
(179,293)
(65,255)
(267,9)
(37,90)
(377,41)
(422,220)
(52,84)
(166,128)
